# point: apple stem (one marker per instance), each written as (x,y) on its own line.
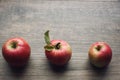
(57,46)
(14,45)
(98,47)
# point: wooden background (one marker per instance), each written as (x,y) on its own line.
(79,22)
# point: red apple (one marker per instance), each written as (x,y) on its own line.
(100,54)
(58,52)
(16,51)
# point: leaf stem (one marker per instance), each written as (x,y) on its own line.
(48,47)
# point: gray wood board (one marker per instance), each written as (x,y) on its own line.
(79,22)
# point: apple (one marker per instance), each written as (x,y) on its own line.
(58,52)
(100,54)
(16,51)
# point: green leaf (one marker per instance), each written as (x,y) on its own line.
(48,47)
(46,37)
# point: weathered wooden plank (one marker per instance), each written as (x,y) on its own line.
(79,22)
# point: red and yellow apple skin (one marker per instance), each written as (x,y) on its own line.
(59,56)
(100,54)
(16,51)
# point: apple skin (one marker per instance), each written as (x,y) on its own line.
(16,51)
(100,54)
(59,56)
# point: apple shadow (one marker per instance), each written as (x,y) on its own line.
(99,72)
(58,69)
(18,71)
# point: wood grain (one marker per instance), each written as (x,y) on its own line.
(79,22)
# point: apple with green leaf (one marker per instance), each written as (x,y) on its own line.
(58,52)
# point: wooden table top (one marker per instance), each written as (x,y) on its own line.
(79,22)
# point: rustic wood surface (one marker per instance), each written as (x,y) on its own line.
(79,22)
